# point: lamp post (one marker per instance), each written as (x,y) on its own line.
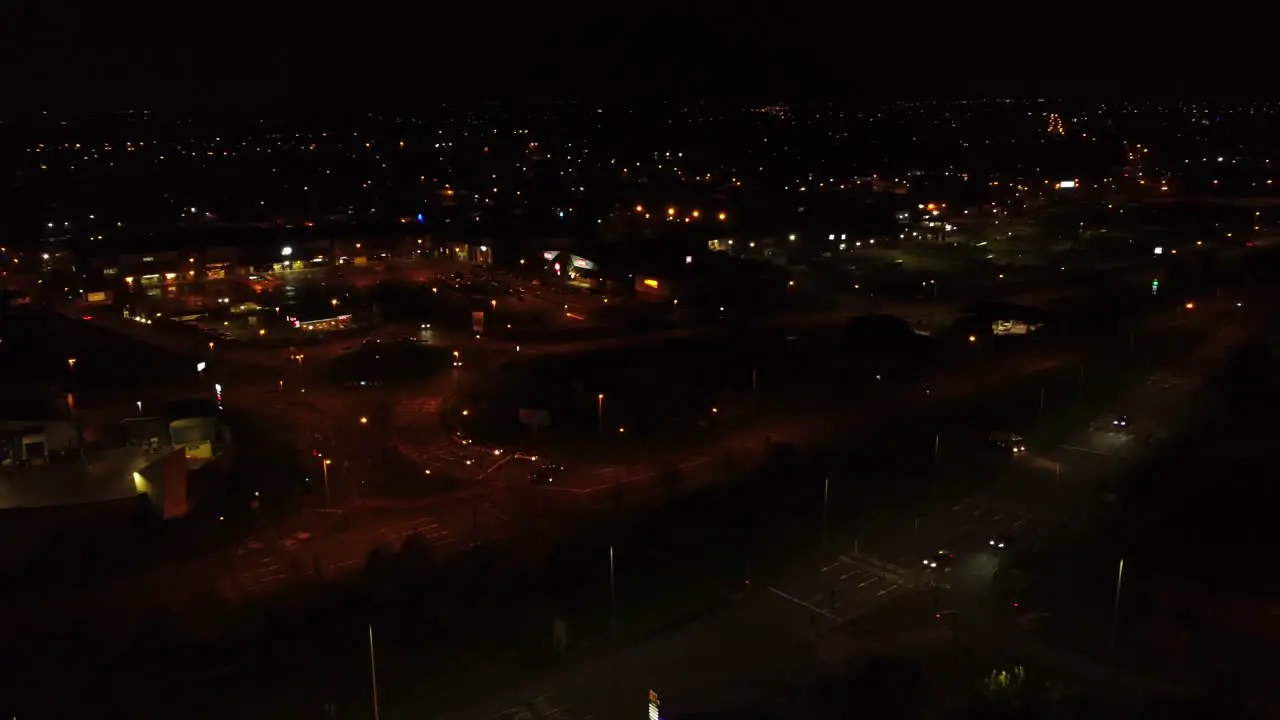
(324,465)
(1115,606)
(600,414)
(373,673)
(613,633)
(826,488)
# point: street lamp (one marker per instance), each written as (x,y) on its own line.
(364,420)
(324,465)
(600,413)
(334,303)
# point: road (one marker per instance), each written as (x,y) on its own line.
(297,548)
(807,625)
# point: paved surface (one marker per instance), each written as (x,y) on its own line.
(796,629)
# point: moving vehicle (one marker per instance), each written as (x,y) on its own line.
(940,560)
(546,475)
(1111,423)
(1000,542)
(1008,442)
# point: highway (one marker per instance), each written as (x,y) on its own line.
(774,639)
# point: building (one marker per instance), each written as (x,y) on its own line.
(37,442)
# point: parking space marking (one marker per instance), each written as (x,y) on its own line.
(1077,448)
(802,603)
(891,588)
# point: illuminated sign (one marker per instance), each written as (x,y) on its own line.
(583,263)
(557,268)
(1066,184)
(650,282)
(200,366)
(419,217)
(217,391)
(653,706)
(550,254)
(1159,250)
(286,251)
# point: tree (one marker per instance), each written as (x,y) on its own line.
(887,687)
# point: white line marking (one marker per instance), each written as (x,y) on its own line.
(891,588)
(801,603)
(868,581)
(835,564)
(1092,452)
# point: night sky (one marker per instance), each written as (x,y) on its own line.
(66,55)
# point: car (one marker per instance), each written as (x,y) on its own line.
(1008,442)
(1111,423)
(542,477)
(940,560)
(462,438)
(1000,542)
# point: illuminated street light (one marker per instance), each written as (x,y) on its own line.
(71,362)
(328,499)
(364,420)
(723,216)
